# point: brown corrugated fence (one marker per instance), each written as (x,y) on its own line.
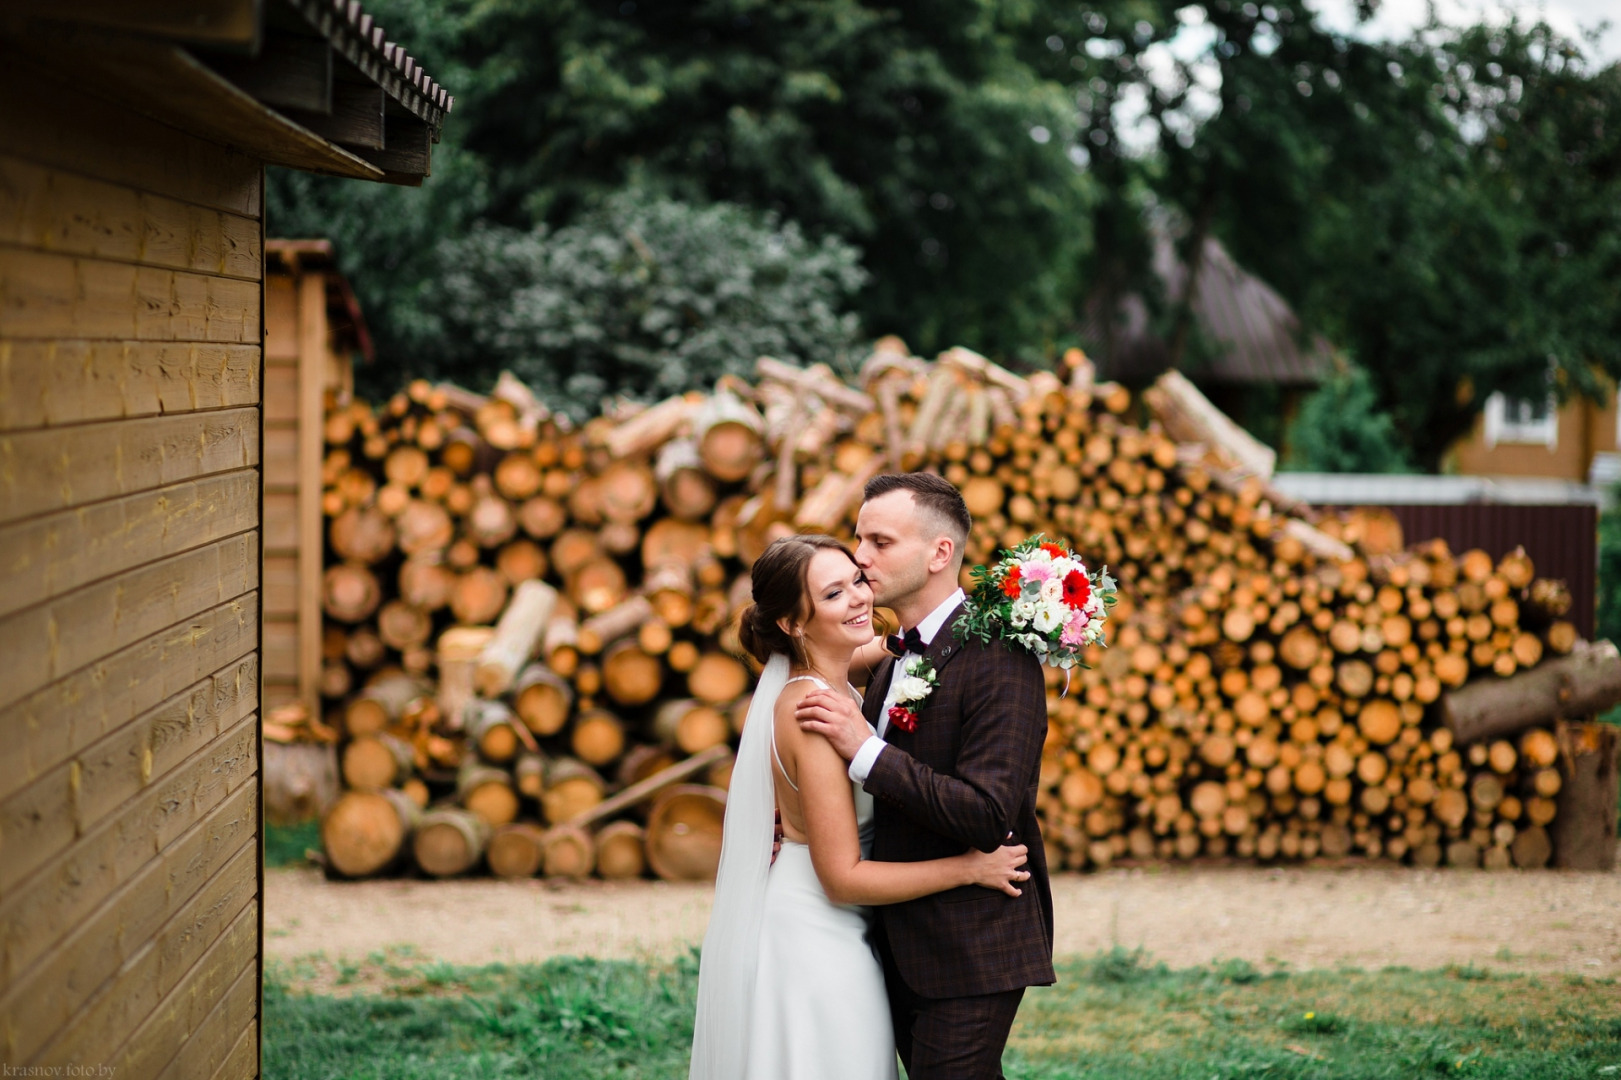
(1561,539)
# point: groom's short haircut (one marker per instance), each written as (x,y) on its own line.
(934,496)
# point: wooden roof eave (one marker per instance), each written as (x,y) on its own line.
(167,83)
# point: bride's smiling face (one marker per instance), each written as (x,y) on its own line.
(840,619)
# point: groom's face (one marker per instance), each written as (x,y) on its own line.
(892,549)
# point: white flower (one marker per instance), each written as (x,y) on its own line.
(913,688)
(1047,620)
(1052,590)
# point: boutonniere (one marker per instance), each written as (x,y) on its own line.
(917,682)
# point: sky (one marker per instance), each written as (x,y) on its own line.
(1396,18)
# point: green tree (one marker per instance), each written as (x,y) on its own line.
(642,295)
(912,130)
(1341,428)
(1446,208)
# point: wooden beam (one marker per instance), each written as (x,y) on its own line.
(356,118)
(408,145)
(219,23)
(169,84)
(1586,682)
(1189,417)
(291,71)
(312,346)
(1585,827)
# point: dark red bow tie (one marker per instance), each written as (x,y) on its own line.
(911,641)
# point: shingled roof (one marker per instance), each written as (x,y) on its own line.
(311,84)
(1250,332)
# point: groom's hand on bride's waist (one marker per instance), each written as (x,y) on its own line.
(836,718)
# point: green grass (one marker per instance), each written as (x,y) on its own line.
(1116,1016)
(285,844)
(399,1017)
(563,1020)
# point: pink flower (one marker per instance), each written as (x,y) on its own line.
(1037,571)
(1075,629)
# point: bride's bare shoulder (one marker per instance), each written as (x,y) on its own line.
(789,697)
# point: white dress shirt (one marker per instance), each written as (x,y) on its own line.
(928,629)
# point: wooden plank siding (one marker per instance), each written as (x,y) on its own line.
(48,122)
(131,384)
(43,819)
(54,554)
(57,468)
(51,383)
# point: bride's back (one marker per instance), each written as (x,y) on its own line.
(787,742)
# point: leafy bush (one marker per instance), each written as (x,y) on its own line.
(645,297)
(1342,428)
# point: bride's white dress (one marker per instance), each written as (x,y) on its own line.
(789,986)
(820,1011)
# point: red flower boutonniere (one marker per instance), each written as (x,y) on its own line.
(915,682)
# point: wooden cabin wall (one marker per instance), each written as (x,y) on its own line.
(130,385)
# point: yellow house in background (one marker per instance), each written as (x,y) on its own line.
(1579,441)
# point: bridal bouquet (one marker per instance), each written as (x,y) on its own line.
(1040,596)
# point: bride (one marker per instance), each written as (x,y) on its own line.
(788,987)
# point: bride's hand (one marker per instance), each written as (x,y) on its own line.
(1000,869)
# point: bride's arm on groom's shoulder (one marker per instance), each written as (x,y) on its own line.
(830,825)
(1004,724)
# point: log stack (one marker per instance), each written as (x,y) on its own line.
(525,617)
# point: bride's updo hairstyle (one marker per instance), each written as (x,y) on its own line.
(780,592)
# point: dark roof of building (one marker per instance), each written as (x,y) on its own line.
(311,84)
(1249,332)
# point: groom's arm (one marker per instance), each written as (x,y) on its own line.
(1004,724)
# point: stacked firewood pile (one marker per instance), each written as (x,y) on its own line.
(531,656)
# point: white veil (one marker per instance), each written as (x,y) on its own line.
(726,968)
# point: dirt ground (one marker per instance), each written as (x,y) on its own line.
(1301,917)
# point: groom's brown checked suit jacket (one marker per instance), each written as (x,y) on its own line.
(966,777)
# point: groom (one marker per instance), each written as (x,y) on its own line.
(955,963)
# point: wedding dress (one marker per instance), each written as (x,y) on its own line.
(789,986)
